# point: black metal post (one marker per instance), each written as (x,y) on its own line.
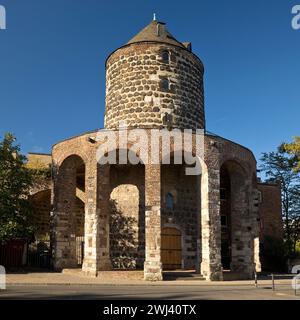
(82,251)
(273,282)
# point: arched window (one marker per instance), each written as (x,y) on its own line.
(170,201)
(164,84)
(165,55)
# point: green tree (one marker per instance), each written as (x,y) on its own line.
(279,166)
(294,150)
(15,183)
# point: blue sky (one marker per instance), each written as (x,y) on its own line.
(52,55)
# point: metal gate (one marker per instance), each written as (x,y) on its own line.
(79,250)
(171,248)
(39,254)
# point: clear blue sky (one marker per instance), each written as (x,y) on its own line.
(52,77)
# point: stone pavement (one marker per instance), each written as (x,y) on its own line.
(76,277)
(73,284)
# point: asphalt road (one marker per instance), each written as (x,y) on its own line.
(135,292)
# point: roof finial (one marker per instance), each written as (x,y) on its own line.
(154,17)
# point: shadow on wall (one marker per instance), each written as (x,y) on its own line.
(123,240)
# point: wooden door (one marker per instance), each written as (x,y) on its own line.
(171,248)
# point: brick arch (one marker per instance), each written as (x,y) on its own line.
(236,164)
(126,251)
(41,204)
(69,185)
(236,206)
(194,166)
(78,157)
(127,188)
(114,156)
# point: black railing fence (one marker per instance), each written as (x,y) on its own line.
(79,249)
(39,254)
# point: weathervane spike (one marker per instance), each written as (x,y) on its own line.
(154,17)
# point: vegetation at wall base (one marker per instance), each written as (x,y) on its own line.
(282,166)
(15,183)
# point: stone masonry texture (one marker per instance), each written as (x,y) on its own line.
(154,81)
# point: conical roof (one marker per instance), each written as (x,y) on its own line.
(155,31)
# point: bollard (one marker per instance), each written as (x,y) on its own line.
(2,278)
(273,282)
(255,279)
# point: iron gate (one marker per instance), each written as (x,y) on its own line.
(79,250)
(39,254)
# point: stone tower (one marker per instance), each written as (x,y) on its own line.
(206,222)
(154,81)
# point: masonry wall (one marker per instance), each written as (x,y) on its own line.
(41,205)
(185,214)
(153,184)
(127,216)
(135,94)
(270,211)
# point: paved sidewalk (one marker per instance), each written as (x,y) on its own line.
(119,278)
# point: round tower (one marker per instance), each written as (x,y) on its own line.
(154,81)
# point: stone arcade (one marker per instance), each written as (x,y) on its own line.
(154,216)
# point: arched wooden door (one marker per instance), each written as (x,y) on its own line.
(171,248)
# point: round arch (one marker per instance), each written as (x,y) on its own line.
(234,210)
(69,212)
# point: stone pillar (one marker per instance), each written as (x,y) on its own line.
(256,255)
(153,265)
(211,267)
(91,255)
(256,228)
(63,220)
(198,234)
(96,247)
(242,246)
(103,195)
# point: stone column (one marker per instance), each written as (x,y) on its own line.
(63,220)
(153,265)
(91,252)
(256,228)
(96,247)
(242,226)
(256,254)
(103,195)
(211,267)
(199,236)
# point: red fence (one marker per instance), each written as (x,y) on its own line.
(11,254)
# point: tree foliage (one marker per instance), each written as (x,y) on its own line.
(15,183)
(294,150)
(279,166)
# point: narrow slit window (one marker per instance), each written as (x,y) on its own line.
(223,194)
(165,84)
(170,201)
(165,56)
(224,221)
